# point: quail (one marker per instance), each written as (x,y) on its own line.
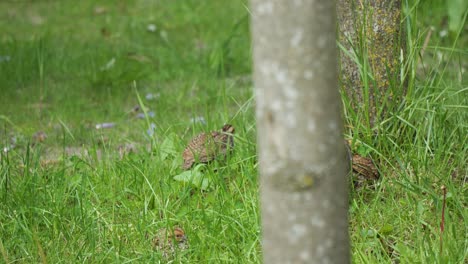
(38,137)
(166,241)
(363,168)
(209,146)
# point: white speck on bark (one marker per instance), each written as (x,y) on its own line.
(290,104)
(278,165)
(304,255)
(270,208)
(290,92)
(281,76)
(320,250)
(329,243)
(298,2)
(260,102)
(325,203)
(322,42)
(276,106)
(323,249)
(295,155)
(291,121)
(311,125)
(332,126)
(263,40)
(317,64)
(317,221)
(265,8)
(308,75)
(322,147)
(292,217)
(297,38)
(265,68)
(296,197)
(296,232)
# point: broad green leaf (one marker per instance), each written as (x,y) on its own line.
(386,229)
(456,11)
(167,147)
(195,177)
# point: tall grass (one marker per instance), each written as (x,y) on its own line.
(75,198)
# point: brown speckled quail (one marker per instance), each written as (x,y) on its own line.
(363,168)
(167,240)
(208,146)
(38,137)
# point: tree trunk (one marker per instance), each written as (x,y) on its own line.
(372,42)
(303,161)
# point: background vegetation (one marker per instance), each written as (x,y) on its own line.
(100,195)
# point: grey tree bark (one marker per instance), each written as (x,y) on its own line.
(373,40)
(303,161)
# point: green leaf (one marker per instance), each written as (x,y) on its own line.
(456,10)
(167,147)
(386,229)
(195,177)
(363,150)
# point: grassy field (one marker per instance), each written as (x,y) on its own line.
(84,194)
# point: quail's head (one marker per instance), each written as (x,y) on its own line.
(228,129)
(179,235)
(166,240)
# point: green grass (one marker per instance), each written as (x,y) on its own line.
(73,198)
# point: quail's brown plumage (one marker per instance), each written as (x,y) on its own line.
(166,240)
(363,168)
(38,137)
(208,146)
